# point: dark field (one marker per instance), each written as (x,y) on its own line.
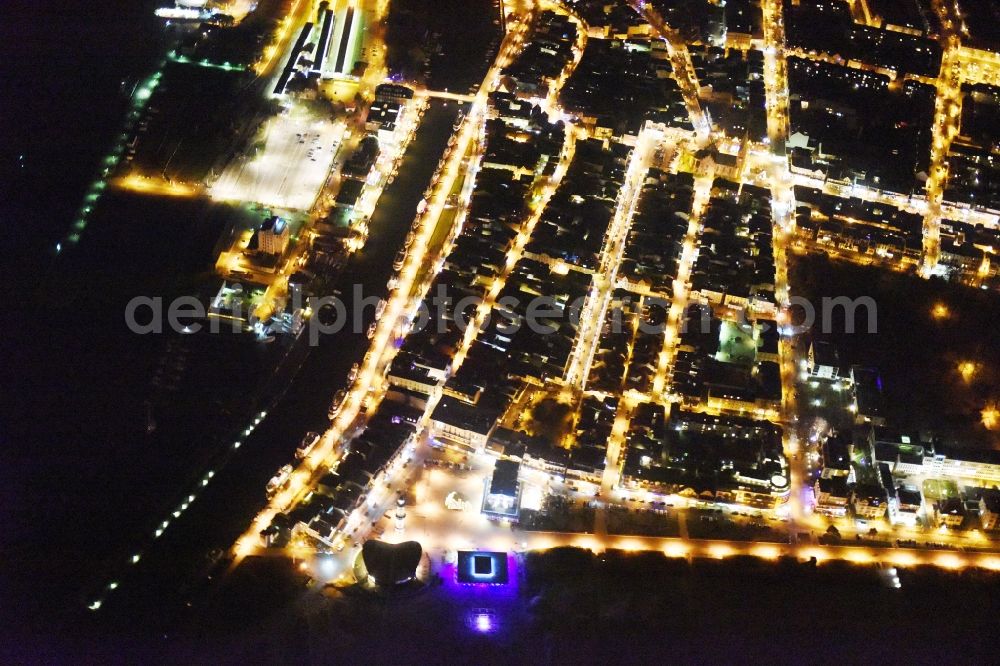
(919,348)
(448,44)
(198,119)
(569,605)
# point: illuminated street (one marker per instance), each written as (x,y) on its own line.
(595,307)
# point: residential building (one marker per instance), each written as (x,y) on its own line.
(837,457)
(462,424)
(950,511)
(406,372)
(870,501)
(502,496)
(832,495)
(274,236)
(989,510)
(908,506)
(392,92)
(823,361)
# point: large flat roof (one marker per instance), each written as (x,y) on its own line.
(481,567)
(504,481)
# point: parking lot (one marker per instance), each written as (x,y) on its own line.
(288,165)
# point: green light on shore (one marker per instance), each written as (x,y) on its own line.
(205,62)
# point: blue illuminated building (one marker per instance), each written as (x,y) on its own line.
(481,568)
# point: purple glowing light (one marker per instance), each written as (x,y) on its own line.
(483,623)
